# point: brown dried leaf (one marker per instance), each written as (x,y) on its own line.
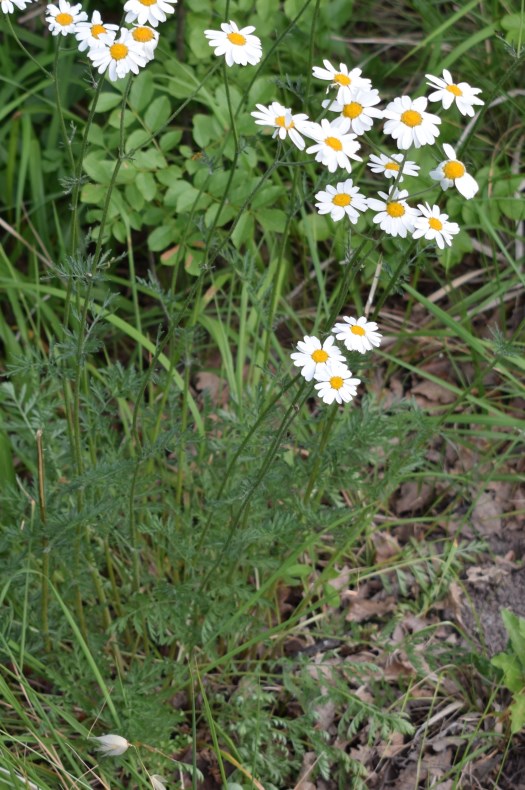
(362,610)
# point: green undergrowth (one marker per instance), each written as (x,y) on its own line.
(182,523)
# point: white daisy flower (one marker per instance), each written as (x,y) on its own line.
(148,12)
(286,124)
(334,145)
(395,216)
(453,173)
(409,124)
(345,81)
(112,745)
(88,33)
(8,6)
(63,18)
(336,383)
(119,57)
(360,111)
(238,45)
(448,92)
(358,334)
(389,166)
(158,782)
(342,199)
(313,355)
(434,226)
(147,38)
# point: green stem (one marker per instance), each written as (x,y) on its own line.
(314,474)
(23,48)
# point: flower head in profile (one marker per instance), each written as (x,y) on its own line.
(8,6)
(334,146)
(118,57)
(112,745)
(63,18)
(433,225)
(335,383)
(360,111)
(394,215)
(147,37)
(345,81)
(282,120)
(158,782)
(89,33)
(343,199)
(453,173)
(238,45)
(448,92)
(358,334)
(313,355)
(389,166)
(409,124)
(148,12)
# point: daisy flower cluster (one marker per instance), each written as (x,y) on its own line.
(325,362)
(113,50)
(336,144)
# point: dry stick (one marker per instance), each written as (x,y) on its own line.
(373,287)
(45,546)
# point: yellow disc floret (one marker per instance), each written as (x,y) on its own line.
(237,38)
(118,51)
(336,382)
(334,143)
(352,110)
(342,79)
(97,30)
(412,118)
(64,19)
(453,169)
(143,34)
(281,121)
(392,166)
(435,223)
(395,209)
(341,199)
(357,330)
(320,355)
(455,90)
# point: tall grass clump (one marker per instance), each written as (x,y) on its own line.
(235,239)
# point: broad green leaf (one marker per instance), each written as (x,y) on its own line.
(157,113)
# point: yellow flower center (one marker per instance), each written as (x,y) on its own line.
(341,199)
(64,19)
(342,79)
(453,169)
(357,330)
(237,39)
(412,118)
(395,209)
(455,90)
(435,223)
(148,2)
(352,110)
(392,166)
(118,51)
(336,382)
(97,30)
(143,34)
(281,121)
(320,355)
(334,143)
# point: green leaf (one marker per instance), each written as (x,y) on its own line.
(107,101)
(161,238)
(517,714)
(146,186)
(272,219)
(512,671)
(150,159)
(141,91)
(157,113)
